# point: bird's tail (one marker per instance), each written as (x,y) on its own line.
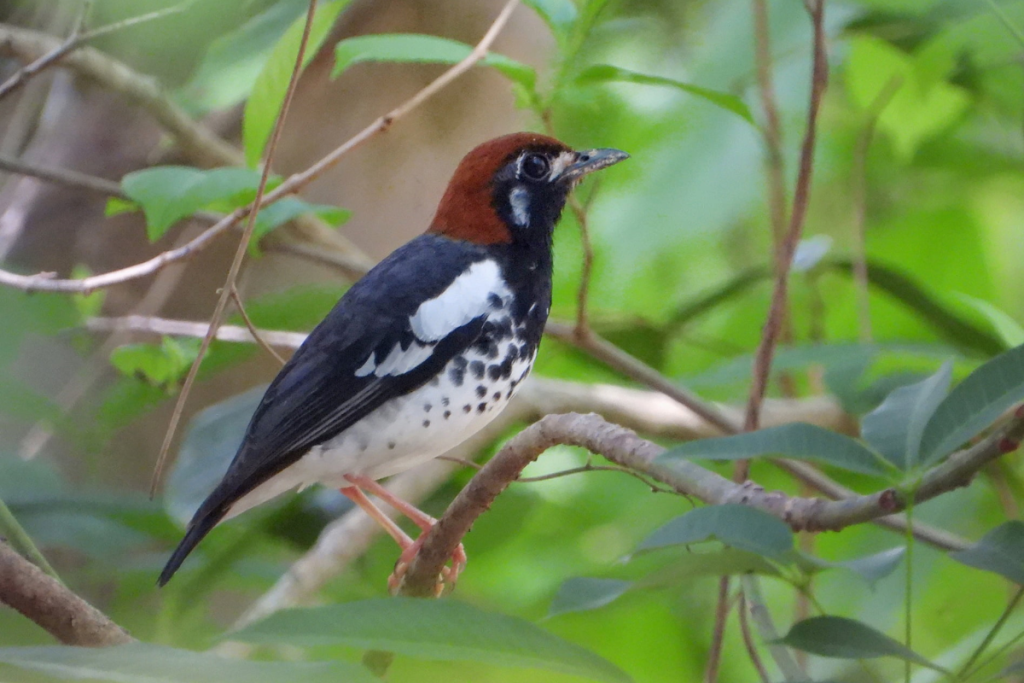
(201,524)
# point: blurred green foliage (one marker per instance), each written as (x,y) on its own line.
(682,279)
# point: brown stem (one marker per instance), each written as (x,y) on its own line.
(722,606)
(47,602)
(801,197)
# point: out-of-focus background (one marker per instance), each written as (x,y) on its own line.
(919,151)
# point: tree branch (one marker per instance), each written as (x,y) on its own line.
(623,447)
(47,602)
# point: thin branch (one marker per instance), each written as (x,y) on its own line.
(623,447)
(748,639)
(718,632)
(47,602)
(772,130)
(792,672)
(76,40)
(183,328)
(12,532)
(252,328)
(859,198)
(61,176)
(240,252)
(801,196)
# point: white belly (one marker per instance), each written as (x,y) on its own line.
(405,431)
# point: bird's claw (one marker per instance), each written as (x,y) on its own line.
(446,579)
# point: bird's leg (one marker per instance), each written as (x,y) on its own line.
(355,494)
(419,518)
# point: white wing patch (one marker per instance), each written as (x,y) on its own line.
(519,200)
(467,297)
(400,362)
(366,368)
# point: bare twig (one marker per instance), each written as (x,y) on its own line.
(252,328)
(718,632)
(748,639)
(236,263)
(801,196)
(184,328)
(76,40)
(46,601)
(859,198)
(61,176)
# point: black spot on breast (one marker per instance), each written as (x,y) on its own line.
(426,423)
(457,376)
(481,408)
(494,300)
(512,352)
(481,391)
(503,328)
(391,445)
(447,414)
(427,407)
(524,351)
(435,381)
(477,368)
(497,396)
(466,408)
(494,372)
(459,362)
(444,401)
(511,391)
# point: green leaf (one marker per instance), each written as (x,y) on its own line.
(689,565)
(116,206)
(267,98)
(580,594)
(842,638)
(895,427)
(796,440)
(160,365)
(921,104)
(1008,329)
(169,193)
(233,62)
(559,15)
(145,663)
(870,568)
(415,47)
(1000,550)
(290,208)
(431,629)
(974,404)
(604,73)
(739,526)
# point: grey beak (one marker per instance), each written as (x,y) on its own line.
(593,160)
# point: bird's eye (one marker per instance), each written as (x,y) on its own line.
(535,167)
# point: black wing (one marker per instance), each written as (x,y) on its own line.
(318,393)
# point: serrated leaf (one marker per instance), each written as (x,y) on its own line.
(739,526)
(145,663)
(1000,550)
(870,568)
(797,440)
(431,629)
(974,404)
(267,98)
(842,638)
(895,427)
(605,73)
(580,594)
(416,47)
(1008,329)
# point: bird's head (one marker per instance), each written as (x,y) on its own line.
(513,188)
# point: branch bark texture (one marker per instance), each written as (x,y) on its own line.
(49,603)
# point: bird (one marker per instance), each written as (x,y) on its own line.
(419,354)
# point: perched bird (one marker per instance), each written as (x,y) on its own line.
(419,354)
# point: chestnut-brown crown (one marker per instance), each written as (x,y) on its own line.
(467,210)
